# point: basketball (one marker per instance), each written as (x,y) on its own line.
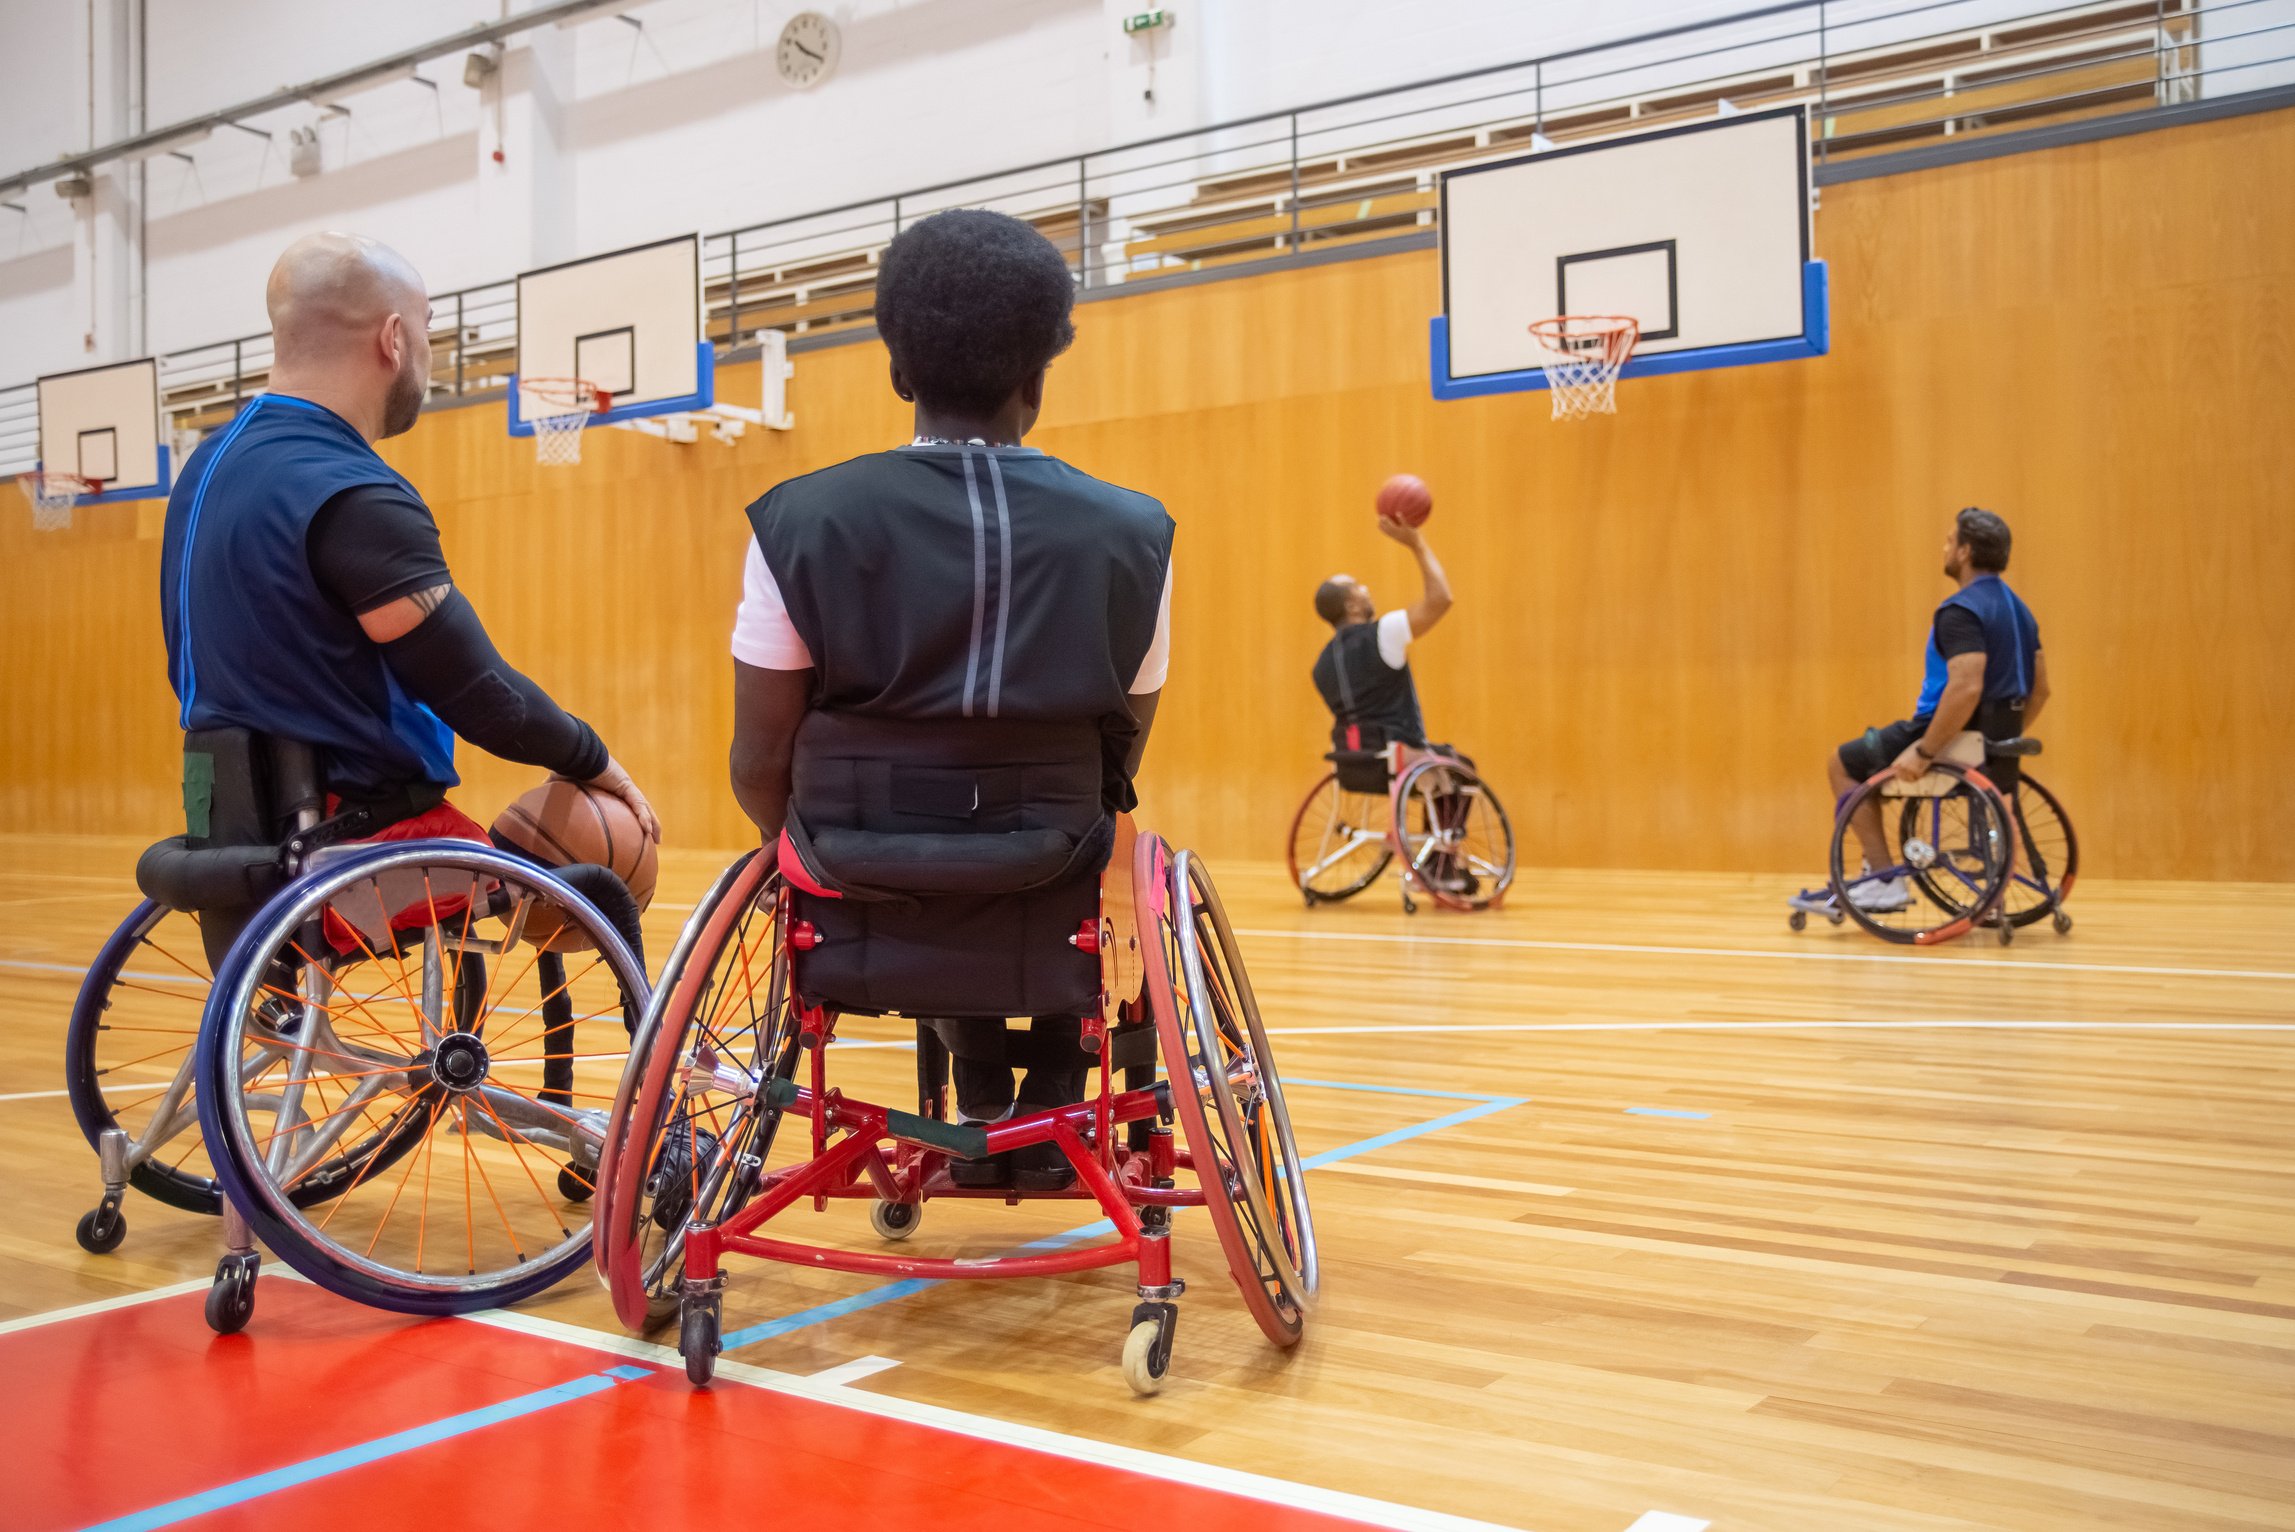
(1405,498)
(561,823)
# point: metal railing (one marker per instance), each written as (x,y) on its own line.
(1878,77)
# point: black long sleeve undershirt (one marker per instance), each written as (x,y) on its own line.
(377,543)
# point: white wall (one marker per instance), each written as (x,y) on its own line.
(610,134)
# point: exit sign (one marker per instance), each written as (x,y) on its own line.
(1146,21)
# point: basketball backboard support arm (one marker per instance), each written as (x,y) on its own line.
(1815,339)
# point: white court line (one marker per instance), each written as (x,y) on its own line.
(1637,949)
(1668,1521)
(1156,1465)
(855,1370)
(1939,1024)
(105,1305)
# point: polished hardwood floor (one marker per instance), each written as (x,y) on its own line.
(1631,1200)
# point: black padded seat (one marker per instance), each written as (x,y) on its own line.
(954,859)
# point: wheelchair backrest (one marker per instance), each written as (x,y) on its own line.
(945,864)
(1363,771)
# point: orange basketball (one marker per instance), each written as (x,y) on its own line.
(1405,498)
(561,823)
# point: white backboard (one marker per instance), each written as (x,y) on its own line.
(628,322)
(102,423)
(1700,233)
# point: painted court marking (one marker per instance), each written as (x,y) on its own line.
(1666,1111)
(1523,943)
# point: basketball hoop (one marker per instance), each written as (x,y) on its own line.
(1588,350)
(53,495)
(558,409)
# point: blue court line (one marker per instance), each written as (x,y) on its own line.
(1401,1090)
(381,1447)
(910,1286)
(1666,1111)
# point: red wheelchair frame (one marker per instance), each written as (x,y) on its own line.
(1182,993)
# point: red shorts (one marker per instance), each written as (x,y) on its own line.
(364,915)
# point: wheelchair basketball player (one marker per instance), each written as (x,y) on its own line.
(1985,670)
(959,593)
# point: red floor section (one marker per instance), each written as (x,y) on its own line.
(117,1412)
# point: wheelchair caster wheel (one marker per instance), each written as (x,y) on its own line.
(572,1186)
(700,1336)
(231,1301)
(2063,924)
(1147,1349)
(1798,920)
(1409,905)
(2007,933)
(895,1220)
(101,1230)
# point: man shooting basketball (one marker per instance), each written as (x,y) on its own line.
(303,589)
(1985,671)
(1364,671)
(961,578)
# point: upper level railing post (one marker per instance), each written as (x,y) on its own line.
(1538,99)
(461,344)
(1824,83)
(1293,247)
(733,294)
(1083,226)
(238,373)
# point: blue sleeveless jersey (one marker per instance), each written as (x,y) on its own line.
(252,642)
(2011,644)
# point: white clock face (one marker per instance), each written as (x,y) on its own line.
(807,50)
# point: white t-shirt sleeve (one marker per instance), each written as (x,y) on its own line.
(1394,638)
(763,635)
(1157,666)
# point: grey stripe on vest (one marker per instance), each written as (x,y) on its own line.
(1003,585)
(979,582)
(1339,669)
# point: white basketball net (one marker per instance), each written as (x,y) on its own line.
(52,495)
(1585,352)
(558,412)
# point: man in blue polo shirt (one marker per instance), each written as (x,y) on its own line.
(303,589)
(1985,671)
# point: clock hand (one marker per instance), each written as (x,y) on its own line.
(809,53)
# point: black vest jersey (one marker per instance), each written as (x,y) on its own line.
(1363,693)
(951,582)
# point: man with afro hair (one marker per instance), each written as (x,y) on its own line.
(966,580)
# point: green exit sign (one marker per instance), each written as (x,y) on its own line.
(1146,21)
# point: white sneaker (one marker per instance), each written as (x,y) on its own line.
(1881,896)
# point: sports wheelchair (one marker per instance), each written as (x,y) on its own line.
(1056,911)
(1423,805)
(1976,854)
(388,1059)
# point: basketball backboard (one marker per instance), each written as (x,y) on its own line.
(1700,233)
(102,423)
(628,322)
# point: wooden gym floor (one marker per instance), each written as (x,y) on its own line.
(1636,1209)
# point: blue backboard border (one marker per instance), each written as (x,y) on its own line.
(702,397)
(1815,339)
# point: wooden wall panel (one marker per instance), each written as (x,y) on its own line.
(1665,619)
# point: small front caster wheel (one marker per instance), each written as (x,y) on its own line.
(1798,920)
(699,1338)
(2007,933)
(895,1220)
(231,1301)
(2063,924)
(1147,1348)
(101,1230)
(573,1185)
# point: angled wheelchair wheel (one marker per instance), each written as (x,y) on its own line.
(694,1116)
(128,1050)
(2048,862)
(1338,842)
(1225,1091)
(389,1023)
(1949,855)
(1457,843)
